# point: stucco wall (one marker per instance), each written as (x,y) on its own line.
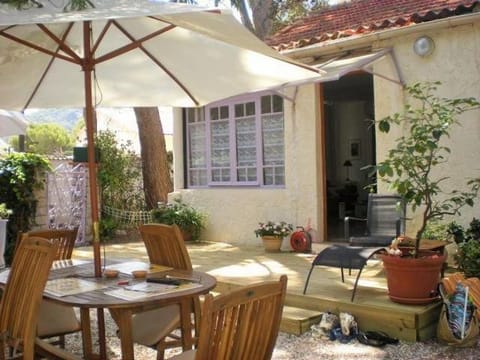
(456,63)
(234,213)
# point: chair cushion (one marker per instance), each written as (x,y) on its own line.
(149,327)
(55,319)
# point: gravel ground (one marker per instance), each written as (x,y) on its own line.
(306,347)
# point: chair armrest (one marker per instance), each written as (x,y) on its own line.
(347,226)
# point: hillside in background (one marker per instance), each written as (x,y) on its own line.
(66,118)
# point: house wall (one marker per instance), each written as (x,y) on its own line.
(456,63)
(234,213)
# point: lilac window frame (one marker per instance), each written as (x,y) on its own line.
(260,165)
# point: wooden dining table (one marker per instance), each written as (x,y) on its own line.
(72,283)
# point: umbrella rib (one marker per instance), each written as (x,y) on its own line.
(139,44)
(37,47)
(132,46)
(61,42)
(44,74)
(101,36)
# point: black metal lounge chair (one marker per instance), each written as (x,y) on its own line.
(385,221)
(344,256)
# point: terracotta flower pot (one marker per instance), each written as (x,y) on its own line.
(413,281)
(272,243)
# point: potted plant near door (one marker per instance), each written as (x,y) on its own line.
(411,168)
(4,215)
(272,234)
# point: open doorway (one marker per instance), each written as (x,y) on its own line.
(349,146)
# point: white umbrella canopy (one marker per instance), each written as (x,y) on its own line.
(132,53)
(184,56)
(12,123)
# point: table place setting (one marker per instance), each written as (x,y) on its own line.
(71,286)
(151,287)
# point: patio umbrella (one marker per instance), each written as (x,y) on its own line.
(12,123)
(131,53)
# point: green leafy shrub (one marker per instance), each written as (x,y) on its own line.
(468,254)
(188,219)
(4,211)
(21,175)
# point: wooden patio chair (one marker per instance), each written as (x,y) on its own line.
(57,320)
(385,221)
(155,328)
(242,324)
(22,296)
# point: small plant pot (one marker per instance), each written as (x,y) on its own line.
(272,243)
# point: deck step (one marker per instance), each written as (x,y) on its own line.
(297,320)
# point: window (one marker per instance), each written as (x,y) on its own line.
(237,143)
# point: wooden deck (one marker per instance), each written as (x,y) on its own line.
(235,266)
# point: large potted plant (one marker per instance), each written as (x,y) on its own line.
(411,170)
(190,220)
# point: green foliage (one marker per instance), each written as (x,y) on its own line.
(185,216)
(4,211)
(437,231)
(107,228)
(48,139)
(468,254)
(409,166)
(285,12)
(468,258)
(119,173)
(21,174)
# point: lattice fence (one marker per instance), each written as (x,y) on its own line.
(67,198)
(127,217)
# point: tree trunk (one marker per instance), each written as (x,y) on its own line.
(156,175)
(262,17)
(241,6)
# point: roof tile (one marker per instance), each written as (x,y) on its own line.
(364,16)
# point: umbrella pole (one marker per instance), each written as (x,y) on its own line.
(92,166)
(92,175)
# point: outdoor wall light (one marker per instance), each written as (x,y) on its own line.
(423,46)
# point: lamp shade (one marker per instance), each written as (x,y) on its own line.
(347,163)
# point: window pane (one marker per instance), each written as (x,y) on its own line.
(273,149)
(268,176)
(250,111)
(239,110)
(246,143)
(277,103)
(266,106)
(190,115)
(224,112)
(214,114)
